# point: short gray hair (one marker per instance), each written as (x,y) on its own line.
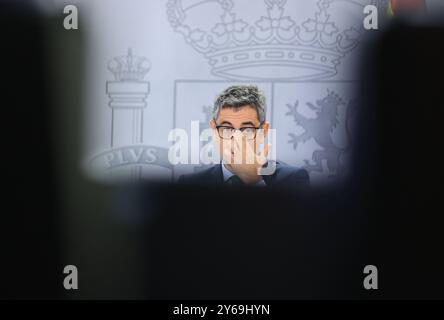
(240,96)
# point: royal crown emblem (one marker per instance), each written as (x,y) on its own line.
(129,67)
(282,43)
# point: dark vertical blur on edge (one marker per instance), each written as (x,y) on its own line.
(30,226)
(397,165)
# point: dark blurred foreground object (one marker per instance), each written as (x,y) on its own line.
(398,158)
(29,237)
(228,242)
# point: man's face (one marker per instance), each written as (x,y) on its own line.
(234,149)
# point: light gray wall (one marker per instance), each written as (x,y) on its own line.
(299,52)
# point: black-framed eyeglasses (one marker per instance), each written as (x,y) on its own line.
(227,132)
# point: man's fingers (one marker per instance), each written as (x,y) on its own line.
(262,157)
(266,150)
(252,157)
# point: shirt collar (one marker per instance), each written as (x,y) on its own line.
(227,173)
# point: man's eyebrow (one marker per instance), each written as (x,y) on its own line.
(226,122)
(248,123)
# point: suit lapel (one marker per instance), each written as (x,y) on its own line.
(270,179)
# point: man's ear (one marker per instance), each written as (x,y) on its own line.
(212,124)
(264,131)
(265,127)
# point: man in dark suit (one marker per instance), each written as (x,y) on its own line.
(284,175)
(239,128)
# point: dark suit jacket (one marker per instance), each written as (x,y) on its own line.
(285,176)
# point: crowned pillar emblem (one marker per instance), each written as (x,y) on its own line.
(129,156)
(128,94)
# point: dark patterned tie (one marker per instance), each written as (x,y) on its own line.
(235,181)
